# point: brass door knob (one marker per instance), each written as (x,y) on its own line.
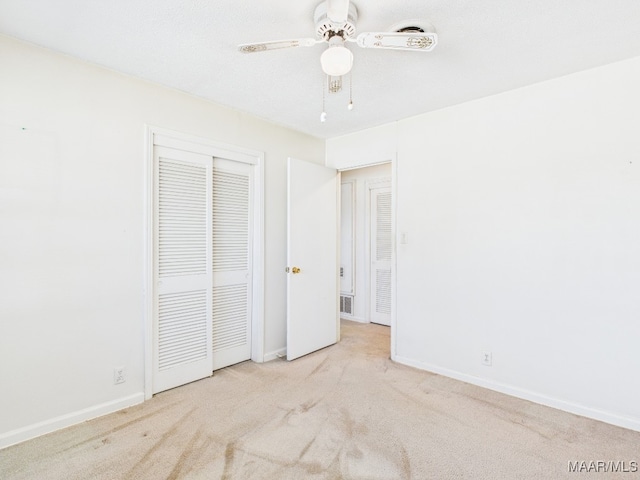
(295,270)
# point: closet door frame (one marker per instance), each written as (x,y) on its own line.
(157,136)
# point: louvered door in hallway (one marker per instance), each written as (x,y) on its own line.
(381,252)
(202,265)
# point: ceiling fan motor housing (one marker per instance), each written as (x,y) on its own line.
(326,28)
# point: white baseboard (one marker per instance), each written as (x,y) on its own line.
(577,409)
(344,316)
(276,354)
(31,431)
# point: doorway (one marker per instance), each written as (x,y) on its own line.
(366,241)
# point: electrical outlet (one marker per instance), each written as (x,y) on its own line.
(487,358)
(118,375)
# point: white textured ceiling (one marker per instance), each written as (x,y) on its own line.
(485,47)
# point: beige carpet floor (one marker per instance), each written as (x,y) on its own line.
(344,412)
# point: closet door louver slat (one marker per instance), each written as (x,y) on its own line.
(383,227)
(230,221)
(182,329)
(182,219)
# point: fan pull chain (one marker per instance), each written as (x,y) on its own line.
(323,115)
(350,105)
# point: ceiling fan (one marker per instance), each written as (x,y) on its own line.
(336,25)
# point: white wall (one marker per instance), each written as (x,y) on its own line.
(522,212)
(361,179)
(72,229)
(362,149)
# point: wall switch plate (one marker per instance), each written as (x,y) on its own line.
(487,358)
(118,375)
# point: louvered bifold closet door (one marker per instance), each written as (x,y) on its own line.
(381,254)
(182,266)
(232,233)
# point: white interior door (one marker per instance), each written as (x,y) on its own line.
(381,251)
(312,258)
(232,262)
(182,268)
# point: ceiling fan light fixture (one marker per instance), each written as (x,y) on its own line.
(336,61)
(335,22)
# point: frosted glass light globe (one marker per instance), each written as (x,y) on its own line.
(336,61)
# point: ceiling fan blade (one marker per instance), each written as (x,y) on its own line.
(338,10)
(277,44)
(415,41)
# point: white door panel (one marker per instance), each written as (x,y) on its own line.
(232,262)
(182,304)
(312,238)
(381,254)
